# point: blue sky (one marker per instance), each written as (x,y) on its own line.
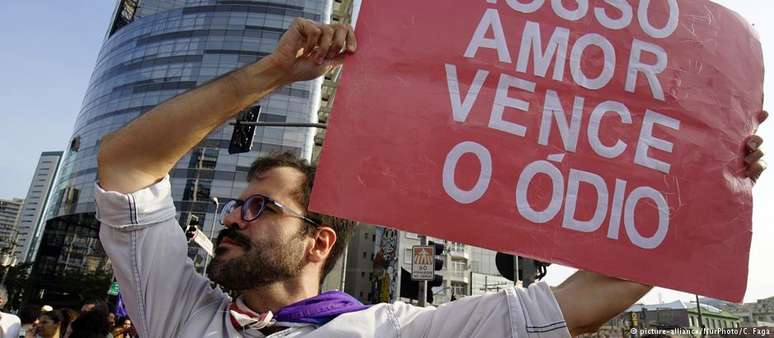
(48,50)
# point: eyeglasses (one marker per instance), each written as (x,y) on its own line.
(254,206)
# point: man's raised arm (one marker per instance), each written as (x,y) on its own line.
(588,300)
(145,150)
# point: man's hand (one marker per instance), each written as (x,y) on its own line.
(309,50)
(753,158)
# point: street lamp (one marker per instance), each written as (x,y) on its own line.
(214,201)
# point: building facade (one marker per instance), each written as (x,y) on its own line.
(457,266)
(360,262)
(763,312)
(10,209)
(154,50)
(674,315)
(377,256)
(31,224)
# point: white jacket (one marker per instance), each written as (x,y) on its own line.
(166,298)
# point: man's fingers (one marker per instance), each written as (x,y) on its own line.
(753,156)
(753,142)
(337,61)
(324,44)
(338,43)
(754,170)
(763,116)
(351,41)
(310,32)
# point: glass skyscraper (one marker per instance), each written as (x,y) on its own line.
(154,50)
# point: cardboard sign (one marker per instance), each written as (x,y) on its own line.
(422,262)
(603,135)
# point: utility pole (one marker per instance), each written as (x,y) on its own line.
(422,296)
(701,321)
(214,201)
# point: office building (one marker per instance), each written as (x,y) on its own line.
(31,224)
(154,50)
(10,209)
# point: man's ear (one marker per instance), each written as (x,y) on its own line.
(323,240)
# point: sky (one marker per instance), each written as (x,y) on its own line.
(49,49)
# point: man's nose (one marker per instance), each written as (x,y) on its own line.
(234,219)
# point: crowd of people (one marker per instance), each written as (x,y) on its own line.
(96,319)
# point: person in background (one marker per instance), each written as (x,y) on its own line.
(9,323)
(93,323)
(49,325)
(125,329)
(29,318)
(71,315)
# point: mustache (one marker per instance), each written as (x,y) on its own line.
(235,236)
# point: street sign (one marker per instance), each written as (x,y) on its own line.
(113,291)
(422,262)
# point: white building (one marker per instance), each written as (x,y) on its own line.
(9,216)
(31,222)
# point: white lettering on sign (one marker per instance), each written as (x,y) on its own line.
(569,130)
(650,71)
(532,46)
(569,194)
(596,120)
(461,107)
(490,21)
(502,100)
(450,166)
(601,14)
(608,61)
(556,50)
(647,141)
(544,48)
(622,22)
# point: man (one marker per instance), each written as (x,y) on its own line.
(275,252)
(9,324)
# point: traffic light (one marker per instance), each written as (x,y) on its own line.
(437,266)
(408,288)
(242,137)
(530,270)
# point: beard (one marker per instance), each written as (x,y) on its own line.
(263,263)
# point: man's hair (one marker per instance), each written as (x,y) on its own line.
(29,314)
(342,227)
(93,323)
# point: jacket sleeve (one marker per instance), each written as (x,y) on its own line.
(148,251)
(516,312)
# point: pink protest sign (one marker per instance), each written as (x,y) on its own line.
(603,135)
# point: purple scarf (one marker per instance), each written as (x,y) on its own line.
(320,309)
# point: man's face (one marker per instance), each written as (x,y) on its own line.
(47,326)
(268,249)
